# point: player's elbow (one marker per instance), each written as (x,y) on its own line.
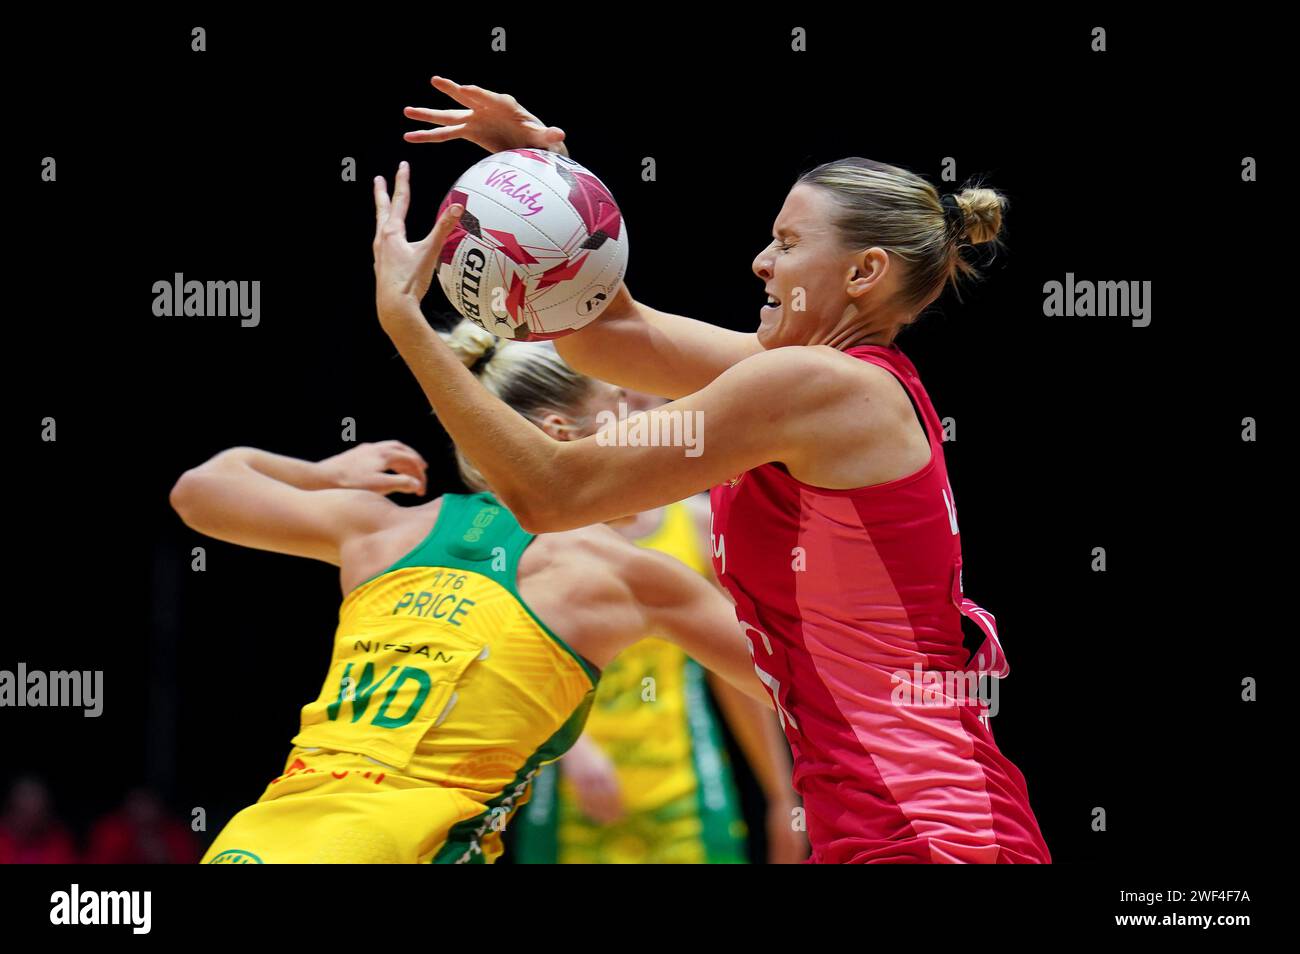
(540,502)
(196,491)
(187,497)
(182,496)
(534,513)
(541,510)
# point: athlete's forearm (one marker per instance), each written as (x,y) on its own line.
(685,609)
(235,490)
(303,474)
(656,352)
(271,502)
(594,350)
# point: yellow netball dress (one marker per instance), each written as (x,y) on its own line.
(653,718)
(445,696)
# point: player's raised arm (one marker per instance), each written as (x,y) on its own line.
(682,607)
(607,475)
(301,508)
(638,347)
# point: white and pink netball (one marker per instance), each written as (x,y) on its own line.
(540,249)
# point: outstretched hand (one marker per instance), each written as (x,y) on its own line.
(494,121)
(404,270)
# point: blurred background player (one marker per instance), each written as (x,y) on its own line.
(31,833)
(142,832)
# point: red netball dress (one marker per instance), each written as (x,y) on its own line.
(845,596)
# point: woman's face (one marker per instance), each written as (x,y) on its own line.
(813,278)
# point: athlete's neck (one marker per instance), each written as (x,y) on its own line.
(855,329)
(853,337)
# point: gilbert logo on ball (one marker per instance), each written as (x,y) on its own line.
(540,249)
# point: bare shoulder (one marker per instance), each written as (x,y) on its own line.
(394,531)
(580,547)
(858,425)
(788,362)
(860,391)
(584,563)
(375,510)
(859,374)
(815,375)
(592,559)
(577,581)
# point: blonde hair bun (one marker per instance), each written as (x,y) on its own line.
(982,210)
(469,341)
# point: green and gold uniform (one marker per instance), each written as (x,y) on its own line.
(444,698)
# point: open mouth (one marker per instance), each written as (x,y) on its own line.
(773,303)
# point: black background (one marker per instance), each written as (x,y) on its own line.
(1072,433)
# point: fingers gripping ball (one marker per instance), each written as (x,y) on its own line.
(540,249)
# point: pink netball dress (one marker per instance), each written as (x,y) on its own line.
(845,596)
